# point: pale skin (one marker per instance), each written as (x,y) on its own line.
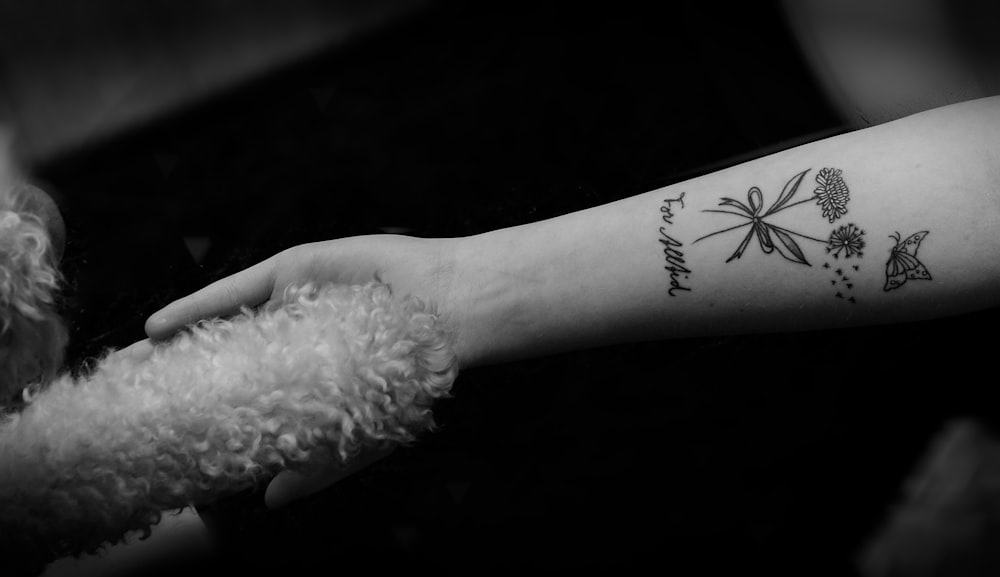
(601,276)
(597,277)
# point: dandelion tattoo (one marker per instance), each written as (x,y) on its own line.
(842,284)
(831,195)
(847,240)
(903,264)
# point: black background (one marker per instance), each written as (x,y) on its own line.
(778,453)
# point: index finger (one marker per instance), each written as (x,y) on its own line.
(138,351)
(249,287)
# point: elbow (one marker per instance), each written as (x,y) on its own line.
(971,131)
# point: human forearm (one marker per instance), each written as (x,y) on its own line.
(636,269)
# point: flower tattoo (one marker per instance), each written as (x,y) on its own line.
(847,240)
(772,238)
(831,194)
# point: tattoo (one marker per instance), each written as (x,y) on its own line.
(832,196)
(903,264)
(843,285)
(671,247)
(848,240)
(832,193)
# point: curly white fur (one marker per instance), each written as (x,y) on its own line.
(302,383)
(32,336)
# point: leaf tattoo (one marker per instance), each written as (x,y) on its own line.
(770,237)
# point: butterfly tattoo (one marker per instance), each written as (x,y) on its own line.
(903,264)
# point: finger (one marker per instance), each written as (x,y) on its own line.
(138,351)
(290,486)
(224,297)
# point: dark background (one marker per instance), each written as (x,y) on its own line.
(778,453)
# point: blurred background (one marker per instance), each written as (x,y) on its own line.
(186,140)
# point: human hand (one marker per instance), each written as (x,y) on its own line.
(423,268)
(180,541)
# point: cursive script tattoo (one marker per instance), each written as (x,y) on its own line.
(676,265)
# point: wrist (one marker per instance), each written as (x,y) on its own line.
(490,299)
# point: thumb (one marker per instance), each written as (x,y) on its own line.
(224,297)
(289,486)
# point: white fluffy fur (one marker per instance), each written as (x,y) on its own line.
(302,383)
(32,337)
